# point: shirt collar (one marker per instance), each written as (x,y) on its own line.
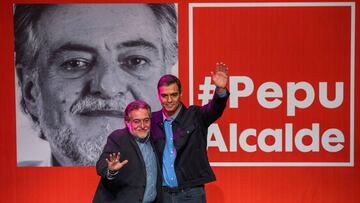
(142,140)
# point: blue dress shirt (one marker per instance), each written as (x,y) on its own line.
(151,168)
(169,155)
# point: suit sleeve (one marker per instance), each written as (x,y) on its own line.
(214,109)
(101,165)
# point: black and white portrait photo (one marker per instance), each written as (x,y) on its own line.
(77,68)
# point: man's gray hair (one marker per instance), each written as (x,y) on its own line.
(135,105)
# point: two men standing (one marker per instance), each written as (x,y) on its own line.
(179,137)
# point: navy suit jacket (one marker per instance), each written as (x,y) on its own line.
(190,129)
(128,186)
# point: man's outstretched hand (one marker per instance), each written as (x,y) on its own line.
(220,77)
(114,163)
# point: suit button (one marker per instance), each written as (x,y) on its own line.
(143,186)
(140,199)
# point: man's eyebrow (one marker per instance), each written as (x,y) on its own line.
(137,43)
(72,47)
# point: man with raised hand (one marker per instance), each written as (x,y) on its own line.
(180,138)
(128,165)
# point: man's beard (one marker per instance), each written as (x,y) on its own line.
(69,150)
(137,134)
(71,147)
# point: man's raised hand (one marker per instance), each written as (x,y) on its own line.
(114,163)
(220,77)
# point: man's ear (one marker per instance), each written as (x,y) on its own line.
(127,123)
(172,68)
(29,89)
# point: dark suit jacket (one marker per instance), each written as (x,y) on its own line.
(190,130)
(128,186)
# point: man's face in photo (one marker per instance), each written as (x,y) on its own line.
(93,61)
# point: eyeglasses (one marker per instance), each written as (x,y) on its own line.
(137,122)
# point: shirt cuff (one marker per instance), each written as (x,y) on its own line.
(110,175)
(221,95)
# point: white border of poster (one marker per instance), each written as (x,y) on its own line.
(352,75)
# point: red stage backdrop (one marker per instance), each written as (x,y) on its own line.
(289,133)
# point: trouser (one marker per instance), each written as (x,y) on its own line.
(187,195)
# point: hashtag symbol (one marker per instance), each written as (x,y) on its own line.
(207,91)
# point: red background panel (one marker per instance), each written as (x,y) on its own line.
(281,45)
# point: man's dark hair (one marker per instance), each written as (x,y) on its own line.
(167,80)
(135,105)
